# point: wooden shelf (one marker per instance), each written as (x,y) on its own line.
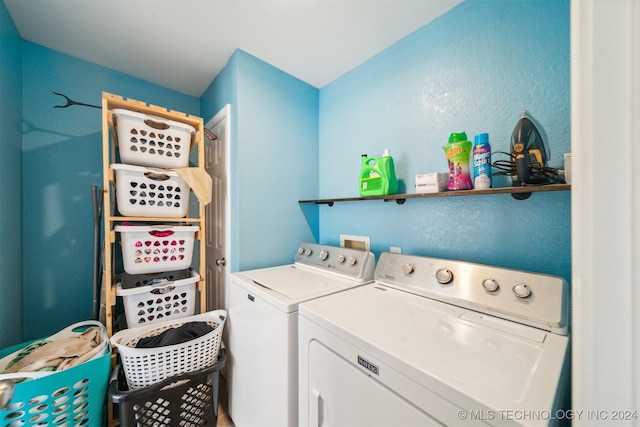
(520,193)
(197,217)
(150,219)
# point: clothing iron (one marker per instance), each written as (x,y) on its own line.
(529,154)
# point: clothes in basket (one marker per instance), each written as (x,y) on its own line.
(74,395)
(147,366)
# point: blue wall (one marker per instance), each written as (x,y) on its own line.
(62,158)
(474,69)
(274,157)
(11,181)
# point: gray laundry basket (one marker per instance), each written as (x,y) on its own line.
(188,400)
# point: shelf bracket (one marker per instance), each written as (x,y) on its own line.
(520,196)
(328,203)
(398,201)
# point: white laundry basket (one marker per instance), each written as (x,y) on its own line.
(152,141)
(159,297)
(145,366)
(156,248)
(150,192)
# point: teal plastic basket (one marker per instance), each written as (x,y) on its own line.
(73,397)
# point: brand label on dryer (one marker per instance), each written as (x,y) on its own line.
(368,365)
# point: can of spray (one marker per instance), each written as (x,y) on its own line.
(481,161)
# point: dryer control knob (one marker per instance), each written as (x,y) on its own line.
(308,252)
(341,258)
(521,290)
(353,260)
(324,255)
(408,269)
(444,276)
(490,285)
(300,250)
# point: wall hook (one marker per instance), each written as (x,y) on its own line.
(210,135)
(71,102)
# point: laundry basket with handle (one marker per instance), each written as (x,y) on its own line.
(153,298)
(187,400)
(74,396)
(150,192)
(156,248)
(145,366)
(69,332)
(147,140)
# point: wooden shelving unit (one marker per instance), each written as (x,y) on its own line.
(518,192)
(111,218)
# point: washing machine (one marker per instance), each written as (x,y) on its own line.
(437,342)
(263,328)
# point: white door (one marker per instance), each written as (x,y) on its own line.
(217,212)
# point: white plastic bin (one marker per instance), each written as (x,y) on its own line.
(146,140)
(150,192)
(156,248)
(158,297)
(145,366)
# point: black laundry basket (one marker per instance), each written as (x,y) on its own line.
(189,399)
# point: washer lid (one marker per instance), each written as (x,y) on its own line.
(464,355)
(286,286)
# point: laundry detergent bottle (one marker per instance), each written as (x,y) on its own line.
(481,162)
(378,176)
(458,152)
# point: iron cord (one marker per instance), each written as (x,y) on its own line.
(535,171)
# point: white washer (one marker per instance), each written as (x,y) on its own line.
(263,328)
(436,342)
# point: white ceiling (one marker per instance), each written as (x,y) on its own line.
(183,44)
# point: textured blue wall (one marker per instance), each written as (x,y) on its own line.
(222,91)
(62,158)
(10,181)
(474,69)
(274,159)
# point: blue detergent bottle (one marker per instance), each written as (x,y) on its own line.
(378,176)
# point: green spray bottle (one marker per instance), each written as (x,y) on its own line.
(378,176)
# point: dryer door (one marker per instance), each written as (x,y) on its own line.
(342,394)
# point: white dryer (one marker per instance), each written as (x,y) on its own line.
(263,328)
(436,342)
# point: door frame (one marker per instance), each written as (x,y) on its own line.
(219,117)
(605,209)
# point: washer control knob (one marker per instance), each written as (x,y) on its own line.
(341,258)
(408,268)
(444,276)
(521,290)
(308,252)
(324,255)
(300,250)
(353,260)
(490,285)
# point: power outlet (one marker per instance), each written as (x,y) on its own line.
(395,249)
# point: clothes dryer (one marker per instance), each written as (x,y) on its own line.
(436,342)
